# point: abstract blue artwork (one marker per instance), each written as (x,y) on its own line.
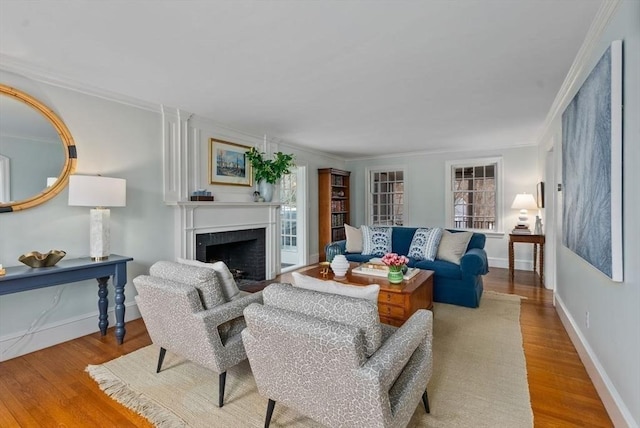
(592,167)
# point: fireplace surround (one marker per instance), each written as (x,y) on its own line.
(197,221)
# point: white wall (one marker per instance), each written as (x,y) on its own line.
(112,139)
(425,193)
(610,346)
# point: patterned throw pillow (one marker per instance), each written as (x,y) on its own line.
(376,240)
(424,245)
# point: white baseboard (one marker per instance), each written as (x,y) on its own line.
(58,332)
(618,411)
(504,263)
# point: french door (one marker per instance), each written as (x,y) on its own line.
(293,219)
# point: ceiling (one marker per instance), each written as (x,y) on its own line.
(353,78)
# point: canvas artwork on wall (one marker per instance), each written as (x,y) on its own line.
(592,167)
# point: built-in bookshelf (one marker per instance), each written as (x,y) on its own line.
(334,207)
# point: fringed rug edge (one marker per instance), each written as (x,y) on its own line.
(119,391)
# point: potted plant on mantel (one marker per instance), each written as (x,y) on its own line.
(268,171)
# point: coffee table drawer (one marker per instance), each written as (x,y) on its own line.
(391,311)
(391,298)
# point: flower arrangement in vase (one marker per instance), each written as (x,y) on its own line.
(269,171)
(396,264)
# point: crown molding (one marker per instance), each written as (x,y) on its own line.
(443,151)
(578,68)
(38,74)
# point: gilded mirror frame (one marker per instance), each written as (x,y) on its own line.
(69,149)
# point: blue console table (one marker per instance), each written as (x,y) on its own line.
(23,278)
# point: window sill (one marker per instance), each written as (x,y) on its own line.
(488,233)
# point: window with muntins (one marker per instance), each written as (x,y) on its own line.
(473,194)
(288,214)
(386,197)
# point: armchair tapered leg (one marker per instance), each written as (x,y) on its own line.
(425,401)
(161,359)
(270,407)
(221,380)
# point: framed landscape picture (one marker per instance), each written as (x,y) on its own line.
(228,163)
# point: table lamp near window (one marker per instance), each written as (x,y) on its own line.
(99,192)
(523,202)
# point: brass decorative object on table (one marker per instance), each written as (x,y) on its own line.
(36,259)
(324,270)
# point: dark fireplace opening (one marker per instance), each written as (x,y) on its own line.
(243,251)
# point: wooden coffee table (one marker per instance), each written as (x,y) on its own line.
(396,302)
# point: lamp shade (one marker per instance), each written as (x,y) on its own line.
(524,201)
(97,191)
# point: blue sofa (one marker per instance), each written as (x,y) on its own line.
(455,284)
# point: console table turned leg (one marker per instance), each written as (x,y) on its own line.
(119,280)
(103,302)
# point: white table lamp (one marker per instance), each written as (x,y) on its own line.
(99,192)
(524,202)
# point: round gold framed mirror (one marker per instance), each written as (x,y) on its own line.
(37,151)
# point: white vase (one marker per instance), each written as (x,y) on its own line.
(266,190)
(339,266)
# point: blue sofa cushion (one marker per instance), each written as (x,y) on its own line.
(477,240)
(358,257)
(401,239)
(440,267)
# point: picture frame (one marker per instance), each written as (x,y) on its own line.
(228,164)
(540,194)
(592,167)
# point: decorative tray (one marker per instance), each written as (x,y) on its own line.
(364,269)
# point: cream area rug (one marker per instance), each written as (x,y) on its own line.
(479,379)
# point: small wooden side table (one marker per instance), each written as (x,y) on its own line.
(537,241)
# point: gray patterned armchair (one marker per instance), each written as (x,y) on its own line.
(329,358)
(187,311)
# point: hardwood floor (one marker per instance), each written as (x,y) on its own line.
(50,387)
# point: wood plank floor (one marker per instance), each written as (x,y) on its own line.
(50,387)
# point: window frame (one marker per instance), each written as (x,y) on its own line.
(369,198)
(287,206)
(449,191)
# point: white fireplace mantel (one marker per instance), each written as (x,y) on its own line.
(184,147)
(193,218)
